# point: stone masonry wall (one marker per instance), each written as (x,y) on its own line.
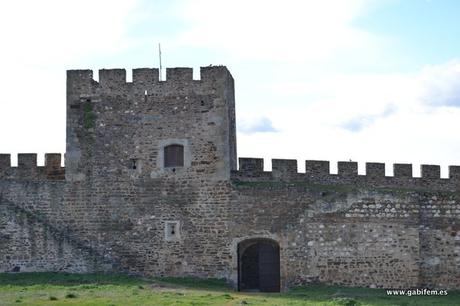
(115,207)
(29,239)
(391,232)
(117,213)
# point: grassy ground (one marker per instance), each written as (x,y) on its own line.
(92,289)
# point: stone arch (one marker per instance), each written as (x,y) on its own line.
(259,265)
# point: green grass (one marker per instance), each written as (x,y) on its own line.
(98,289)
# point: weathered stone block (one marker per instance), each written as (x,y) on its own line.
(251,164)
(431,171)
(402,170)
(375,169)
(5,161)
(284,168)
(27,160)
(347,168)
(317,167)
(179,74)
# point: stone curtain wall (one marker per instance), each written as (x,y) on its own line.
(33,235)
(318,172)
(28,170)
(107,215)
(390,232)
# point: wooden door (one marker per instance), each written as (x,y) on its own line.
(269,267)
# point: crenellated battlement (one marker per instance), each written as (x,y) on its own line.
(114,81)
(151,165)
(28,169)
(318,171)
(130,119)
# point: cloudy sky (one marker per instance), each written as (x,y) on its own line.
(366,80)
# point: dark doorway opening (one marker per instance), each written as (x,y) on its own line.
(259,265)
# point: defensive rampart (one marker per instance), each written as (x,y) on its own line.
(251,169)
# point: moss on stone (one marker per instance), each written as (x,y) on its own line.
(89,117)
(294,184)
(336,188)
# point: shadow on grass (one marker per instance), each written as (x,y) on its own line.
(74,279)
(67,279)
(351,296)
(212,284)
(315,294)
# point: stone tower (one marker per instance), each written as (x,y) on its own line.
(150,187)
(121,129)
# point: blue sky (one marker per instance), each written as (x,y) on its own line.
(367,80)
(423,31)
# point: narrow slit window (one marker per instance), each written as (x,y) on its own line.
(134,164)
(174,156)
(172,231)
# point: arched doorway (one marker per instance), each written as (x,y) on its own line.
(259,265)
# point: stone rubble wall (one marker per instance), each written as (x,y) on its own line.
(30,241)
(318,172)
(28,170)
(390,232)
(101,214)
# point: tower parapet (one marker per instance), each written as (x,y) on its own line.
(132,121)
(114,82)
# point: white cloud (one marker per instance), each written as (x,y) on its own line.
(440,84)
(406,119)
(256,125)
(51,32)
(40,40)
(282,55)
(291,30)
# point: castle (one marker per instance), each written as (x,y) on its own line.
(151,187)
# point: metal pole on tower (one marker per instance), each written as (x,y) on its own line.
(159,54)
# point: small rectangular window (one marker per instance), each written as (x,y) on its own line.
(174,156)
